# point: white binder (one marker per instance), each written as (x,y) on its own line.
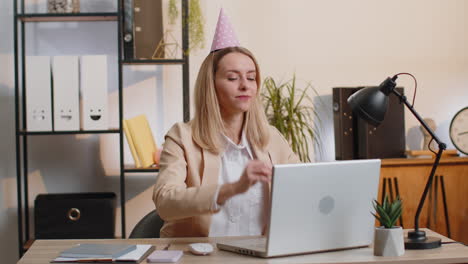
(94,112)
(38,94)
(65,74)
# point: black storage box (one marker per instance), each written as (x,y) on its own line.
(74,215)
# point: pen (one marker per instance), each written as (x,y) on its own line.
(167,246)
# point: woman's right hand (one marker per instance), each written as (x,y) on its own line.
(254,171)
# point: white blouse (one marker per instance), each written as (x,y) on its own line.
(242,214)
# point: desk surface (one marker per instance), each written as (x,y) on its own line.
(42,251)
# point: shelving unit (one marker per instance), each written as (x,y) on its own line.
(20,19)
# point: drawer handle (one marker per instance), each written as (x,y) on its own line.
(74,214)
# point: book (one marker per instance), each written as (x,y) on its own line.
(141,141)
(135,256)
(131,144)
(148,27)
(105,251)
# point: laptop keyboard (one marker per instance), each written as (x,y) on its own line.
(257,244)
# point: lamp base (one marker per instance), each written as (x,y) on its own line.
(417,240)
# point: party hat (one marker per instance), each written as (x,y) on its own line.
(224,36)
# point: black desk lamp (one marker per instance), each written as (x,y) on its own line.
(371,104)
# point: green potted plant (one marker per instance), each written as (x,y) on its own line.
(290,110)
(388,238)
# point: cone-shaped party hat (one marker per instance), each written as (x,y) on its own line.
(224,36)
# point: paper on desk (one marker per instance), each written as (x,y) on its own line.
(137,254)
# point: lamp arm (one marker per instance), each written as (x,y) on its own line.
(442,147)
(426,189)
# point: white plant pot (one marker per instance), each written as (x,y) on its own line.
(389,242)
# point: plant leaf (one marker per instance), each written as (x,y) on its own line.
(388,212)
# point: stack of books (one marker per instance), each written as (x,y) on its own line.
(104,253)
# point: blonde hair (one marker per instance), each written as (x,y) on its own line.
(207,124)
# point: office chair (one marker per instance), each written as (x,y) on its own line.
(148,227)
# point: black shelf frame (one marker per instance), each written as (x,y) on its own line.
(150,62)
(20,18)
(64,17)
(71,132)
(132,169)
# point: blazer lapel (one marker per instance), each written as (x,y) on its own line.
(211,164)
(261,155)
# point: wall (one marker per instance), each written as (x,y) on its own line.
(360,42)
(330,43)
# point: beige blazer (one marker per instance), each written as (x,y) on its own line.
(188,179)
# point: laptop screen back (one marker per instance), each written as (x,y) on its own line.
(322,206)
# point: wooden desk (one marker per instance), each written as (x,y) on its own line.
(42,251)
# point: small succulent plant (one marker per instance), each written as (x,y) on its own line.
(388,212)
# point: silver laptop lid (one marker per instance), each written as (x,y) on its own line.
(322,206)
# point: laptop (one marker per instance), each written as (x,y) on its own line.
(317,207)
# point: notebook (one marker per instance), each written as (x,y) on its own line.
(141,141)
(135,256)
(97,251)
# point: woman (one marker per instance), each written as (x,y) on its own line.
(214,177)
(203,188)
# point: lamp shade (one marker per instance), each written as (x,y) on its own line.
(369,104)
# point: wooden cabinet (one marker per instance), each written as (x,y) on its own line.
(412,175)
